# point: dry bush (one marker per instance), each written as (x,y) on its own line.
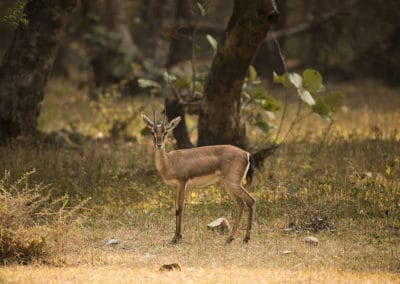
(30,222)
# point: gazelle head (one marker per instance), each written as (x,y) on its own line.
(160,130)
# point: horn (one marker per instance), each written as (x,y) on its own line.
(164,118)
(154,117)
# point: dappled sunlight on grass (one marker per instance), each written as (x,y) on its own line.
(348,179)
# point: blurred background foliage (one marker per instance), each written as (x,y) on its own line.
(357,39)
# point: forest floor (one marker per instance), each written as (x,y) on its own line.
(341,187)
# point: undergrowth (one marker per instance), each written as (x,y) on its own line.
(33,227)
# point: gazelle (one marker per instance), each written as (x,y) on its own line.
(203,166)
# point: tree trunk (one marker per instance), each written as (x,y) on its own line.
(220,121)
(267,59)
(180,49)
(173,109)
(27,64)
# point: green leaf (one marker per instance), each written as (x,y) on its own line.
(199,87)
(296,80)
(312,81)
(252,73)
(321,108)
(147,83)
(334,100)
(259,92)
(261,124)
(282,79)
(183,83)
(270,104)
(213,43)
(306,96)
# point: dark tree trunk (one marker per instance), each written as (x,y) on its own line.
(173,109)
(27,64)
(267,59)
(183,36)
(180,49)
(220,121)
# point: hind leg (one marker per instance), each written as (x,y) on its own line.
(251,204)
(239,213)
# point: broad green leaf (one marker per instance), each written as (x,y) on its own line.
(312,81)
(252,73)
(213,43)
(183,83)
(270,104)
(296,80)
(334,100)
(305,96)
(282,79)
(147,83)
(321,108)
(259,92)
(277,78)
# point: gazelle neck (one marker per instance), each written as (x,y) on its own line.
(160,157)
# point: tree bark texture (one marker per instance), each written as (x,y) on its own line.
(27,64)
(220,121)
(180,49)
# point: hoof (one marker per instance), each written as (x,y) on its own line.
(176,240)
(246,240)
(229,240)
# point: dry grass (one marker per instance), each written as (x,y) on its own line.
(352,254)
(124,274)
(352,182)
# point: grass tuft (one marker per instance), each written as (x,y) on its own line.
(30,221)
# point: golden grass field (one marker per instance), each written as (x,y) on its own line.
(351,181)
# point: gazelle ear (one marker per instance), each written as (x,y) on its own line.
(174,123)
(148,121)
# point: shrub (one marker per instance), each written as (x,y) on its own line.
(30,221)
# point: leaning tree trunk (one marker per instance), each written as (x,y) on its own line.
(220,121)
(27,63)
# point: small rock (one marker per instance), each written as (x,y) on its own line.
(287,252)
(171,267)
(112,242)
(287,230)
(311,240)
(220,225)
